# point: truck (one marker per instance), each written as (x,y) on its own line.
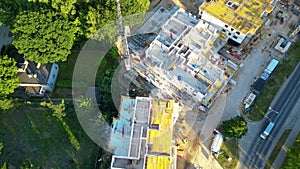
(258,86)
(269,70)
(267,131)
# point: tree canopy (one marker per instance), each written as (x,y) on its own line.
(235,127)
(293,155)
(45,30)
(1,147)
(43,36)
(7,103)
(4,166)
(8,76)
(134,6)
(90,15)
(58,109)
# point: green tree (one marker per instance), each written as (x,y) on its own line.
(1,147)
(95,15)
(107,106)
(64,6)
(134,6)
(45,1)
(88,15)
(235,127)
(104,82)
(58,109)
(293,156)
(8,76)
(9,9)
(43,36)
(7,103)
(84,106)
(4,166)
(59,113)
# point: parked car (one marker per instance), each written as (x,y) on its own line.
(281,20)
(279,14)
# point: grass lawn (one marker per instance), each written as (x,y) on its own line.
(63,83)
(277,149)
(284,70)
(65,74)
(34,138)
(230,148)
(68,66)
(64,80)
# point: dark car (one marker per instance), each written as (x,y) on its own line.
(279,14)
(281,20)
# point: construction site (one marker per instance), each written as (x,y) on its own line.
(243,17)
(181,57)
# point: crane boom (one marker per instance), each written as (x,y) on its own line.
(126,54)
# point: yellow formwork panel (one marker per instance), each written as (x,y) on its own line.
(158,162)
(161,141)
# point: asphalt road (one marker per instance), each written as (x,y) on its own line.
(281,109)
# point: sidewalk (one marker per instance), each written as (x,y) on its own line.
(294,121)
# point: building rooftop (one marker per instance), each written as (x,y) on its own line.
(242,15)
(142,135)
(34,75)
(120,136)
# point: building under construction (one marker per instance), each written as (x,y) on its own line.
(142,136)
(182,60)
(237,19)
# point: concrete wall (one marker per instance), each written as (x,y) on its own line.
(231,32)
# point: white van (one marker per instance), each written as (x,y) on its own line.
(216,145)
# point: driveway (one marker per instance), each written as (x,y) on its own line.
(228,106)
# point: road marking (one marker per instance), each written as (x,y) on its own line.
(272,110)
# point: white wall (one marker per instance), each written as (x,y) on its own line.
(231,32)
